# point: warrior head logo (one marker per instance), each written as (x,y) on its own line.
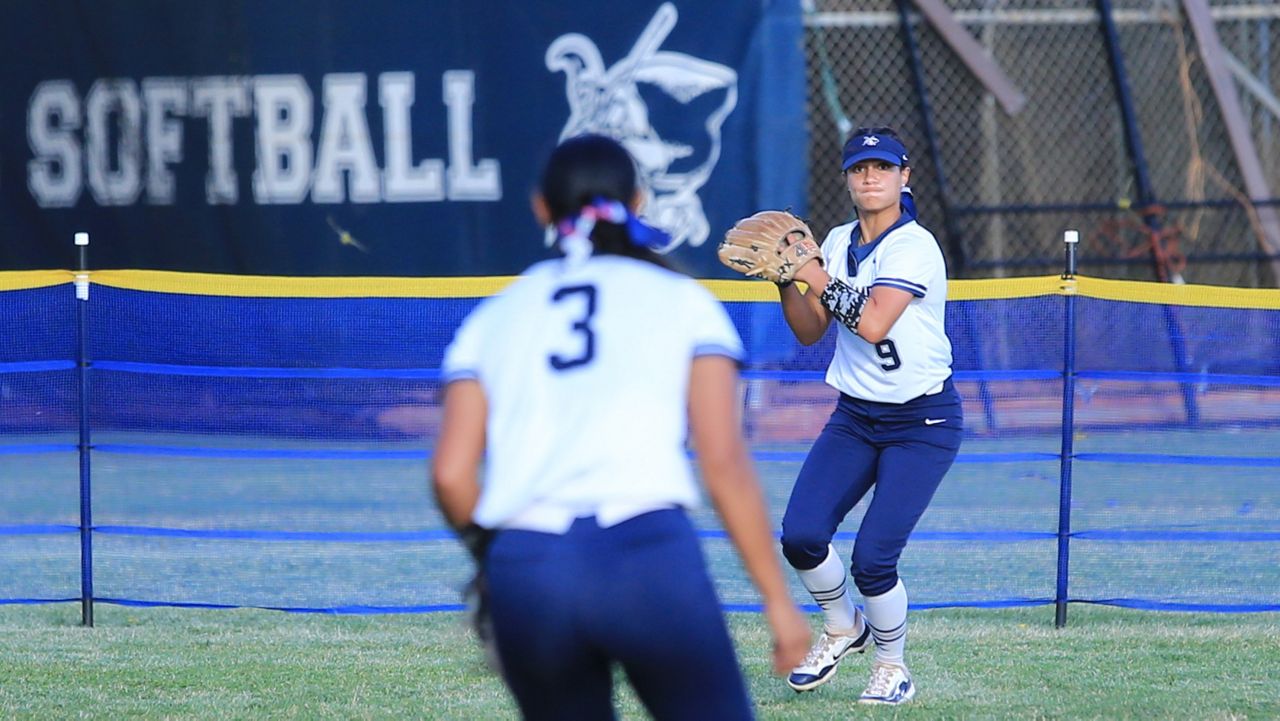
(612,101)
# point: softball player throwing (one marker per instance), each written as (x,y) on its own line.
(897,425)
(576,387)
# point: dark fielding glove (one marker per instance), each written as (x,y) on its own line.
(476,593)
(477,540)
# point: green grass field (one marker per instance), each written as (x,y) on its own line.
(969,664)
(173,663)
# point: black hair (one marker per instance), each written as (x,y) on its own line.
(879,130)
(586,167)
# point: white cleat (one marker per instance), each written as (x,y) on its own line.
(819,666)
(890,684)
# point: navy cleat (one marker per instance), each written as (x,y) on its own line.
(890,684)
(819,666)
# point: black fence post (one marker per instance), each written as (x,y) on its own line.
(1147,204)
(1071,238)
(955,244)
(82,365)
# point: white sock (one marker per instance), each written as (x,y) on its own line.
(828,584)
(887,616)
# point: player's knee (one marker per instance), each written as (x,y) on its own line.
(803,553)
(875,584)
(871,574)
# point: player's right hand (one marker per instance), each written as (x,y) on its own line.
(791,636)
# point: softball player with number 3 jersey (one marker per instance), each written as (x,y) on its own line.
(897,425)
(577,387)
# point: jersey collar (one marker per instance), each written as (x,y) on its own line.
(859,253)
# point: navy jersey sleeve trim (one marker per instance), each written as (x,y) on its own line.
(915,289)
(462,374)
(716,349)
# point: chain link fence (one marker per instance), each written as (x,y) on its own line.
(1121,137)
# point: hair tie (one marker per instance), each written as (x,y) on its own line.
(575,229)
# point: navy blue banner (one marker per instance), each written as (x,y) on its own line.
(381,137)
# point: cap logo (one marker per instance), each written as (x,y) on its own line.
(870,140)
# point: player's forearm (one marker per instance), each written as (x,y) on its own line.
(736,495)
(727,471)
(846,304)
(806,318)
(457,494)
(871,313)
(455,465)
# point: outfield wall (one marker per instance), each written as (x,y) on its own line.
(208,440)
(366,139)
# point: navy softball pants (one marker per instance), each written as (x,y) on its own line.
(567,607)
(902,450)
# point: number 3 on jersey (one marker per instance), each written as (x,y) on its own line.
(581,325)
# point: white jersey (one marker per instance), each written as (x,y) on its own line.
(586,374)
(915,357)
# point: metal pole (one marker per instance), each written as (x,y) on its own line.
(955,245)
(86,506)
(1071,239)
(1146,193)
(1132,138)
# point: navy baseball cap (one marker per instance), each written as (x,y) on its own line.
(873,146)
